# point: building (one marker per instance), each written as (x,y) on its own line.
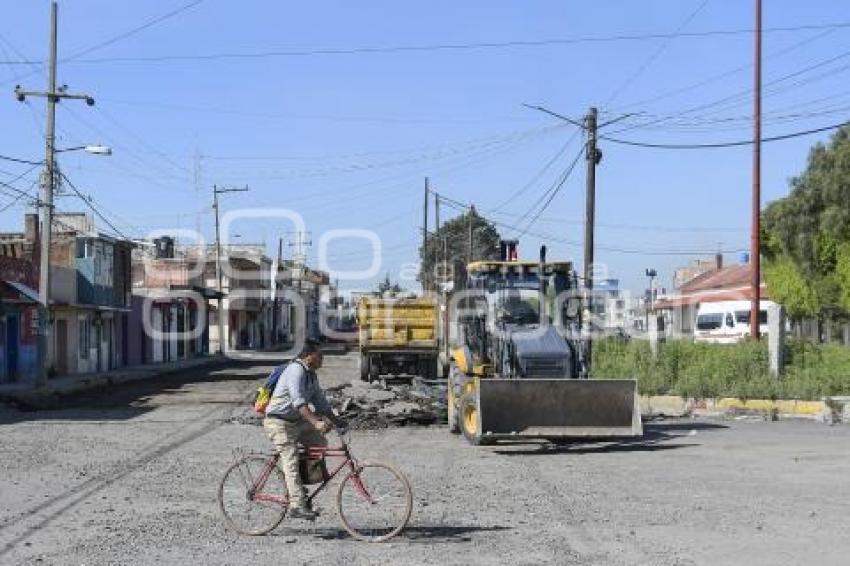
(615,309)
(170,306)
(89,292)
(721,283)
(18,320)
(247,298)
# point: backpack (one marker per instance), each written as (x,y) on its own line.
(264,393)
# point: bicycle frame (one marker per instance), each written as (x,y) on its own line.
(313,453)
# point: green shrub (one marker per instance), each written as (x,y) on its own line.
(738,370)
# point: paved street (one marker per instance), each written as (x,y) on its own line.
(128,476)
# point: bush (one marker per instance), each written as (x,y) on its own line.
(739,370)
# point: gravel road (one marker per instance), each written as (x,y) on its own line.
(129,476)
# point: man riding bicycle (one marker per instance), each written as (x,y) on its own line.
(291,421)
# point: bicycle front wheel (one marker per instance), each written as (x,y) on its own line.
(250,504)
(374,502)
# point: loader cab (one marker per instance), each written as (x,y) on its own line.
(510,291)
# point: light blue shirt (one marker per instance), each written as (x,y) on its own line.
(296,387)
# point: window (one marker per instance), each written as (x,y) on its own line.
(709,321)
(743,317)
(730,322)
(85,337)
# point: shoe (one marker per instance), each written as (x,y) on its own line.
(303,513)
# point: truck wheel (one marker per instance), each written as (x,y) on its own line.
(364,367)
(374,373)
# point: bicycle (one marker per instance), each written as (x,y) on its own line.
(251,505)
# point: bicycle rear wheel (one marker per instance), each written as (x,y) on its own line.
(374,502)
(250,507)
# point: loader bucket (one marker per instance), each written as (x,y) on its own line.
(558,408)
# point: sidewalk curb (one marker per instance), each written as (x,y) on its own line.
(47,397)
(830,410)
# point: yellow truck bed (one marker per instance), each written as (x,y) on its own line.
(398,336)
(397,323)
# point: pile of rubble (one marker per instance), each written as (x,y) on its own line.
(381,404)
(376,405)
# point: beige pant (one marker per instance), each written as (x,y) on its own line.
(286,436)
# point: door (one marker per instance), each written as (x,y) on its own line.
(12,347)
(61,361)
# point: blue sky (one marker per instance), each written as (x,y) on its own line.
(347,139)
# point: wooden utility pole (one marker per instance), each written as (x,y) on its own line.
(218,271)
(48,185)
(755,236)
(592,155)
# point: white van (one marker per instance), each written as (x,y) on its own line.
(727,322)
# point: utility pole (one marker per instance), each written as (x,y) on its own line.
(276,318)
(218,271)
(425,233)
(469,256)
(48,184)
(438,246)
(592,155)
(299,260)
(755,236)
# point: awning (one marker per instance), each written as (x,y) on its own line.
(205,292)
(27,294)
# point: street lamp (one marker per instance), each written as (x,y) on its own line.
(652,274)
(96,149)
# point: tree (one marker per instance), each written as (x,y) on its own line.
(806,240)
(387,286)
(455,232)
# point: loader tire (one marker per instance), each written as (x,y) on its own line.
(469,420)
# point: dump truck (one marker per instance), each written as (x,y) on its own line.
(519,370)
(398,337)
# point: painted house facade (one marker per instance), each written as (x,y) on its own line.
(170,315)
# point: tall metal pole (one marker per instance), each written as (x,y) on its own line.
(218,270)
(755,236)
(425,234)
(220,317)
(592,156)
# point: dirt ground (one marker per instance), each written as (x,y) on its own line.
(129,476)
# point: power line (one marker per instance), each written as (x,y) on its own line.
(624,226)
(92,206)
(551,192)
(723,144)
(24,161)
(131,32)
(613,249)
(21,193)
(737,98)
(446,46)
(19,196)
(723,75)
(656,54)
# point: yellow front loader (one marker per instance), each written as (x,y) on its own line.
(518,370)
